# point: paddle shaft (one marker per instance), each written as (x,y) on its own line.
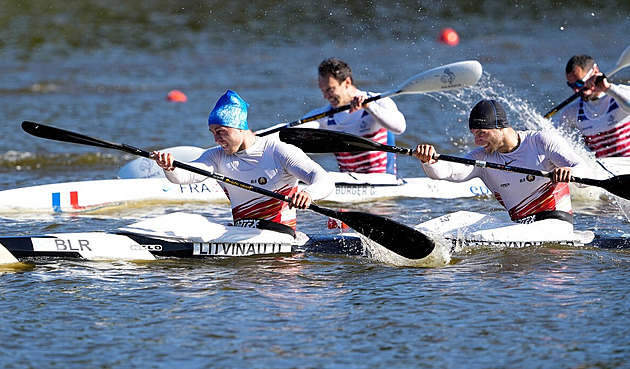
(481,163)
(311,118)
(324,141)
(617,185)
(397,237)
(447,77)
(567,101)
(508,168)
(246,186)
(58,134)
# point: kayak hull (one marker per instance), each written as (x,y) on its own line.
(470,229)
(85,196)
(188,236)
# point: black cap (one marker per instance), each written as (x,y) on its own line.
(487,114)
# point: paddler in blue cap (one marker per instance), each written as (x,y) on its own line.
(527,198)
(261,161)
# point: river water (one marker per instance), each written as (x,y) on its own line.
(103,68)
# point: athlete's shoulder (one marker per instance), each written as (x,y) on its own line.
(212,154)
(542,136)
(274,145)
(478,154)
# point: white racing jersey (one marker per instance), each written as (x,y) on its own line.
(378,122)
(269,164)
(521,194)
(604,122)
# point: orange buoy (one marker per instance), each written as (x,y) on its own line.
(176,96)
(449,37)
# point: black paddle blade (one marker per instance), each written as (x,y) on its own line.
(58,134)
(618,185)
(322,141)
(397,237)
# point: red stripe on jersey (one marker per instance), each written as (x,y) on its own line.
(366,161)
(266,208)
(613,142)
(546,198)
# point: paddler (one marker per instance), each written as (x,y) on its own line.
(527,198)
(378,120)
(602,113)
(261,161)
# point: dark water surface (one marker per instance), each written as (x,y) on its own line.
(103,68)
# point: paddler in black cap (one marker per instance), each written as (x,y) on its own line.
(527,198)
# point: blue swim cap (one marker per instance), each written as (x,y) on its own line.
(230,111)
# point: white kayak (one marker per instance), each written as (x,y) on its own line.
(184,235)
(175,235)
(84,196)
(470,229)
(141,181)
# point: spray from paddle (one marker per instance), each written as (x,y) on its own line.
(439,257)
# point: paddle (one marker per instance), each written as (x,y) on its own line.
(623,62)
(397,237)
(447,77)
(323,141)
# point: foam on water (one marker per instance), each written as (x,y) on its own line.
(439,257)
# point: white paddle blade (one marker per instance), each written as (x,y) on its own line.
(447,77)
(623,62)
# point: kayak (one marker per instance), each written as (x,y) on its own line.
(83,196)
(185,235)
(142,182)
(349,187)
(176,235)
(367,187)
(466,229)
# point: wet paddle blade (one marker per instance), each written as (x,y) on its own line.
(58,134)
(396,237)
(322,141)
(447,77)
(618,185)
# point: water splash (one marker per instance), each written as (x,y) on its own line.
(439,257)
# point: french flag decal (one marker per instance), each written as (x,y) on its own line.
(74,201)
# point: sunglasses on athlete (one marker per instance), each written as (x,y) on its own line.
(581,82)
